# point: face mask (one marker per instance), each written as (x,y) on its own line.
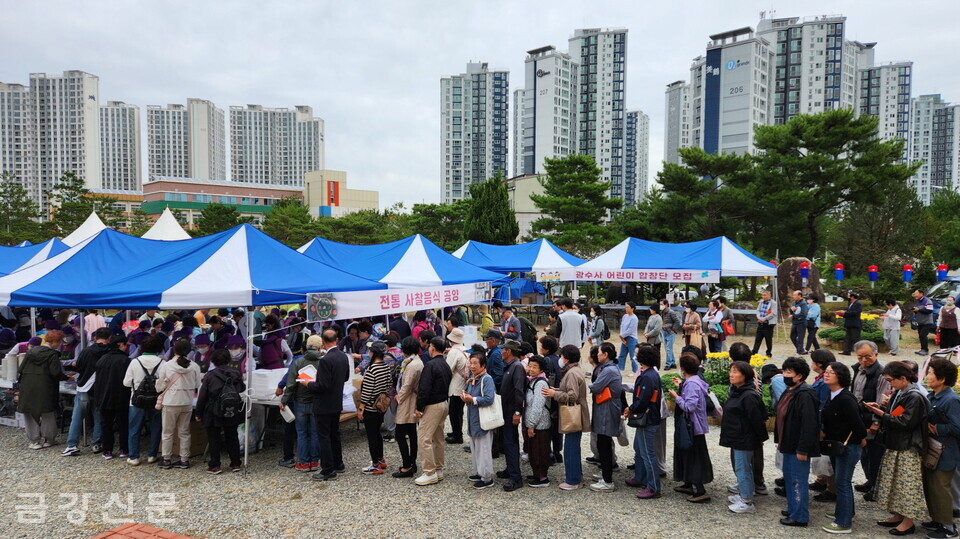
(203,349)
(68,339)
(236,353)
(686,310)
(949,303)
(788,380)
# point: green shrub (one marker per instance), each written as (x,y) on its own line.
(767,399)
(670,381)
(837,335)
(717,372)
(721,391)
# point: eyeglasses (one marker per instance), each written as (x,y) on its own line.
(888,379)
(865,356)
(828,372)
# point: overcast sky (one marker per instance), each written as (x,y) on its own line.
(372,69)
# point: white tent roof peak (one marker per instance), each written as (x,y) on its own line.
(166,228)
(89,228)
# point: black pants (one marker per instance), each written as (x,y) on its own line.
(456,418)
(331,451)
(764,332)
(407,444)
(371,422)
(850,339)
(812,341)
(289,439)
(870,460)
(923,331)
(949,337)
(556,437)
(220,437)
(113,421)
(796,335)
(605,448)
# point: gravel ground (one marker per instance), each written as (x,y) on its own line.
(273,501)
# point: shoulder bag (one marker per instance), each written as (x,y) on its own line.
(570,418)
(491,417)
(931,458)
(159,405)
(683,431)
(834,448)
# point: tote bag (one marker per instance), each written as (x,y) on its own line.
(570,419)
(683,432)
(491,417)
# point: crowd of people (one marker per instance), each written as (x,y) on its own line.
(524,401)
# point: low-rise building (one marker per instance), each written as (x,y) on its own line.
(191,195)
(326,194)
(519,189)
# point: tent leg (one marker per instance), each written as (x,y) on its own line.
(251,364)
(83,333)
(33,321)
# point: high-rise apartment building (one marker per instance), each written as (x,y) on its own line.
(677,121)
(49,129)
(187,141)
(815,67)
(637,159)
(548,127)
(935,140)
(885,93)
(518,101)
(473,128)
(120,146)
(275,146)
(601,55)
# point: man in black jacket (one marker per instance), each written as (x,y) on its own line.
(432,411)
(869,386)
(851,322)
(86,365)
(333,371)
(513,398)
(797,434)
(112,397)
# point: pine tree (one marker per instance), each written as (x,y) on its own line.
(489,218)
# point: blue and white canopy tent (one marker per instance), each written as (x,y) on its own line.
(166,228)
(646,261)
(16,258)
(90,227)
(539,255)
(24,243)
(408,263)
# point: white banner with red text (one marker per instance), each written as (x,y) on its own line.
(368,303)
(632,275)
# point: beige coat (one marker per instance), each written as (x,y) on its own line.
(573,390)
(407,395)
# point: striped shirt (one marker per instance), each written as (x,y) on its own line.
(377,379)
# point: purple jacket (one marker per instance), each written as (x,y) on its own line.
(693,400)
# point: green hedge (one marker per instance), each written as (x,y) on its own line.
(721,391)
(670,381)
(871,332)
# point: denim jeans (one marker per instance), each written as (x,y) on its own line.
(81,404)
(137,418)
(795,474)
(646,470)
(628,349)
(308,445)
(743,468)
(668,340)
(843,476)
(572,467)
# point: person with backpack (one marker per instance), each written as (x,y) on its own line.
(537,422)
(86,365)
(301,400)
(177,382)
(141,378)
(112,397)
(220,409)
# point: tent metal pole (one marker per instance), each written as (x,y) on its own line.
(33,321)
(250,365)
(83,333)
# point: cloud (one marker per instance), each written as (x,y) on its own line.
(372,69)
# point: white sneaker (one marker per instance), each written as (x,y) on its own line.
(133,462)
(524,457)
(427,479)
(598,476)
(603,486)
(151,460)
(733,489)
(734,499)
(742,507)
(70,451)
(35,445)
(45,445)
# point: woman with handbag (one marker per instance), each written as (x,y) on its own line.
(693,326)
(903,428)
(743,429)
(480,392)
(843,436)
(715,334)
(943,452)
(607,409)
(644,415)
(573,415)
(177,381)
(375,399)
(691,459)
(408,384)
(813,322)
